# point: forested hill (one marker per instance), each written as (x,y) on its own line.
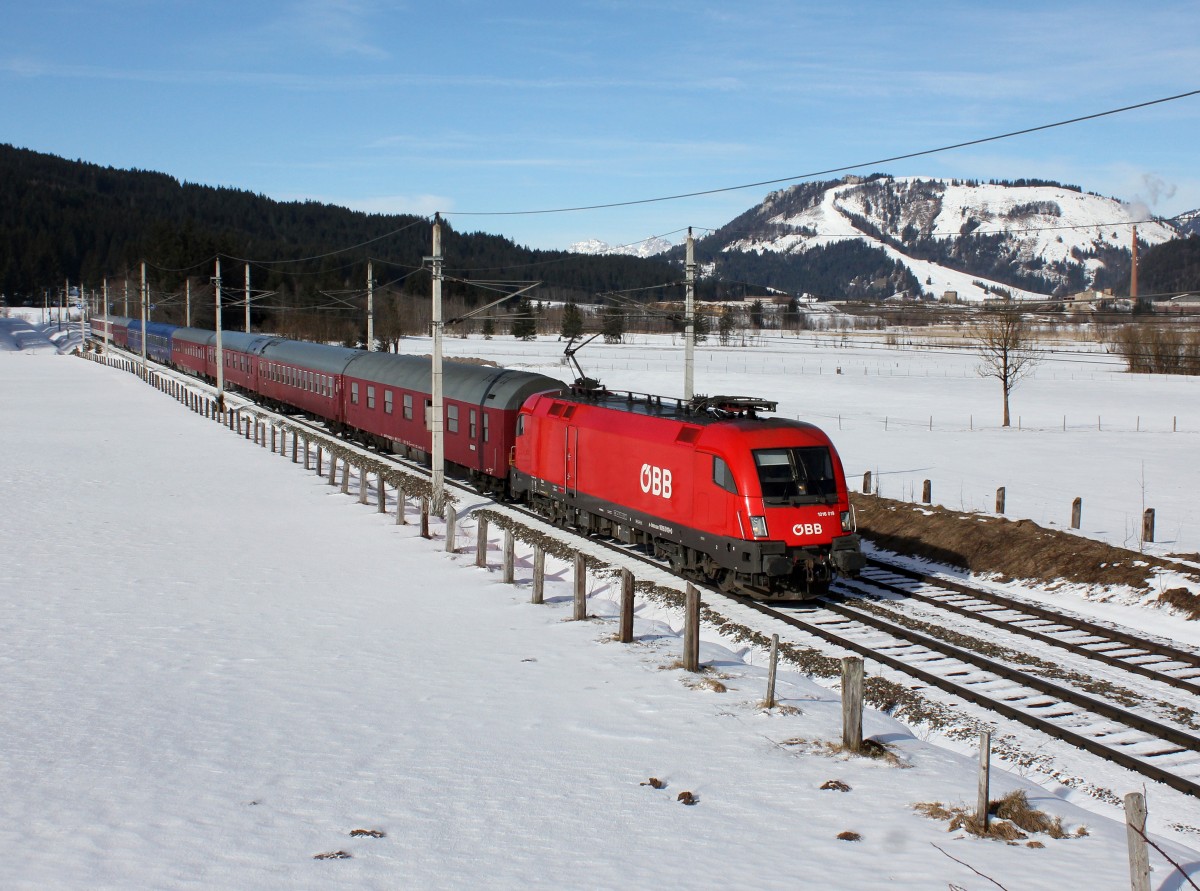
(63,219)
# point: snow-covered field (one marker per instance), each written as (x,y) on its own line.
(215,667)
(908,414)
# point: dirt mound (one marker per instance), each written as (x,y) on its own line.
(1016,549)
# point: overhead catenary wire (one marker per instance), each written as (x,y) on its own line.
(776,181)
(831,170)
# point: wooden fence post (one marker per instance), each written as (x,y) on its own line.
(425,517)
(626,606)
(539,575)
(1000,500)
(1135,834)
(769,702)
(306,447)
(481,541)
(345,476)
(363,484)
(451,531)
(867,483)
(401,505)
(507,573)
(985,766)
(927,492)
(295,446)
(320,458)
(274,430)
(1148,525)
(852,702)
(580,588)
(333,470)
(1076,513)
(691,629)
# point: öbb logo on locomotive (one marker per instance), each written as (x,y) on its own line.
(807,529)
(656,480)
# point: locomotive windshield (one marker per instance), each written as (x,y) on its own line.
(796,475)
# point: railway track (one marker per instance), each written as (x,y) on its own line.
(1155,659)
(1162,751)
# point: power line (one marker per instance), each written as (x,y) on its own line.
(831,170)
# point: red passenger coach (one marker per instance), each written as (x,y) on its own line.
(754,504)
(191,349)
(388,397)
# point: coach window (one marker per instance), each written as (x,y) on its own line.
(452,418)
(722,475)
(387,401)
(370,397)
(486,428)
(473,425)
(408,406)
(354,392)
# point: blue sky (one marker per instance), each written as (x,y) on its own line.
(488,108)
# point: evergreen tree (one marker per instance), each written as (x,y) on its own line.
(572,322)
(489,328)
(756,315)
(524,326)
(614,325)
(725,326)
(700,327)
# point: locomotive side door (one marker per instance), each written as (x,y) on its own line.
(571,461)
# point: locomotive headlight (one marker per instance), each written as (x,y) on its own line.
(758,526)
(848,520)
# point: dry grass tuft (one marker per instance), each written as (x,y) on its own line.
(781,709)
(687,798)
(367,833)
(332,855)
(1183,600)
(1015,807)
(835,786)
(654,783)
(870,749)
(849,836)
(1011,819)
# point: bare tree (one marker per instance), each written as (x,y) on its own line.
(1003,338)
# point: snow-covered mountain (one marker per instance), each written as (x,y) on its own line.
(882,235)
(646,248)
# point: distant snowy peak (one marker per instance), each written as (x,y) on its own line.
(647,248)
(1032,238)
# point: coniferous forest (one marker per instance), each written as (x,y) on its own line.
(66,220)
(74,221)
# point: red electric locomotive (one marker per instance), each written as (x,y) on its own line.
(750,503)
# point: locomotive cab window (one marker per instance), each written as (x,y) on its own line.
(722,475)
(801,475)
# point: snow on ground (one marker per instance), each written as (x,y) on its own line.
(909,414)
(216,667)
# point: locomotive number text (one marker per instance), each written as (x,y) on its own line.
(656,480)
(807,529)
